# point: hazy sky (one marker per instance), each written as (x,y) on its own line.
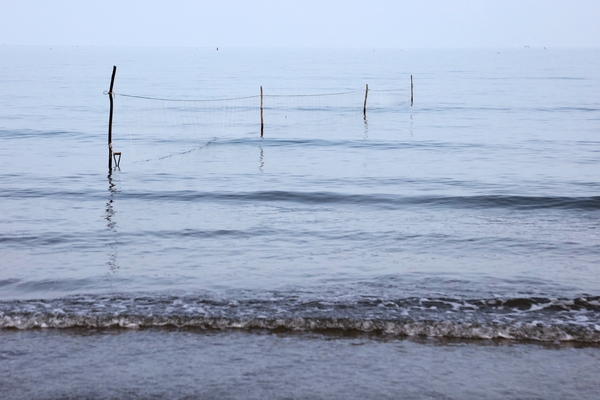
(306,23)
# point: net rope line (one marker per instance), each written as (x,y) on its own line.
(254,96)
(177,153)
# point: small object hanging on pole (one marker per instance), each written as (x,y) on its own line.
(110,119)
(262,121)
(411,91)
(365,106)
(115,154)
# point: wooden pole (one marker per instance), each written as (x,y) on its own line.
(365,106)
(411,91)
(110,119)
(262,120)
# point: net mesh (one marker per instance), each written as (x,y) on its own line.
(157,128)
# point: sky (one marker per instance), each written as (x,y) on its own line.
(305,23)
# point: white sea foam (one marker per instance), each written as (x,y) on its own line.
(525,319)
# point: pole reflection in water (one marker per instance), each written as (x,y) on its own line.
(262,159)
(112,225)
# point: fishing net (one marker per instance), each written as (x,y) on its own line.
(151,129)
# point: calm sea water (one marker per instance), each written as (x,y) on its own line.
(444,250)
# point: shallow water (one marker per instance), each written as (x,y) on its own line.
(473,214)
(191,364)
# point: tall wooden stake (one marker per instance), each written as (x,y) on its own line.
(110,119)
(411,91)
(365,106)
(262,120)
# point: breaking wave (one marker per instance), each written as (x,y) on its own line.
(537,319)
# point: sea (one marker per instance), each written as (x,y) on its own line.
(439,242)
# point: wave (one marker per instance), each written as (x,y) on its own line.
(21,133)
(385,201)
(347,143)
(537,319)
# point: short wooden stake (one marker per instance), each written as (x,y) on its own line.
(365,106)
(411,91)
(262,120)
(110,119)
